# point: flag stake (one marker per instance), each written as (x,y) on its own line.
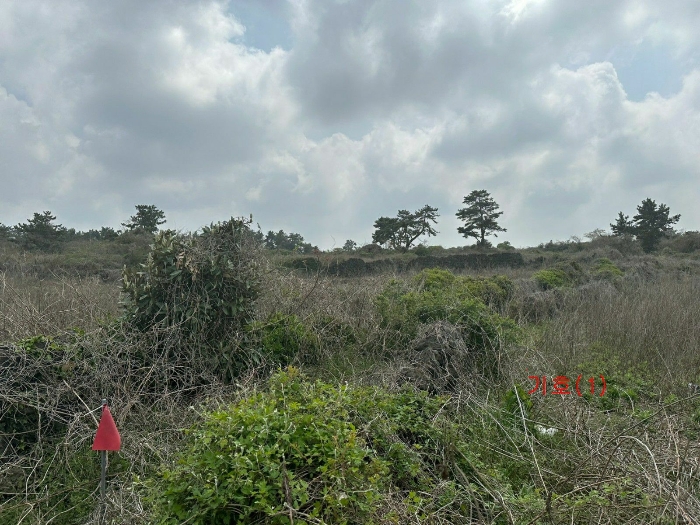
(103,454)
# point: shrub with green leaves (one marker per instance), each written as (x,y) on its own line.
(204,283)
(438,295)
(552,278)
(282,338)
(289,452)
(494,291)
(313,452)
(606,269)
(562,275)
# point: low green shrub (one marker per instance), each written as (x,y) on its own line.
(494,291)
(281,339)
(438,295)
(551,278)
(563,274)
(311,452)
(291,452)
(627,382)
(505,245)
(606,269)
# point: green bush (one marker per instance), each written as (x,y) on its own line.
(494,291)
(561,275)
(442,296)
(321,453)
(435,279)
(289,451)
(552,278)
(606,269)
(282,338)
(203,283)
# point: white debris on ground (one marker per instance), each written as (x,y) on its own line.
(546,431)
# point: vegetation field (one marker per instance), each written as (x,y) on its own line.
(247,391)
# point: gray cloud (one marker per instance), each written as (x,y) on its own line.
(366,108)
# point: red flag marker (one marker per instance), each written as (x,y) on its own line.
(107,437)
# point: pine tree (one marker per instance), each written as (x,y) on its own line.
(148,217)
(622,226)
(652,223)
(40,233)
(401,232)
(480,217)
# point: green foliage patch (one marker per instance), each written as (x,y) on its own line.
(312,452)
(562,275)
(204,283)
(281,339)
(550,279)
(439,295)
(606,269)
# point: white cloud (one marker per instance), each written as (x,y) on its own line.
(377,106)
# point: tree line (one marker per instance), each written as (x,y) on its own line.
(480,216)
(480,220)
(651,224)
(42,233)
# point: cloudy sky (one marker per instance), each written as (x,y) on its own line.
(319,116)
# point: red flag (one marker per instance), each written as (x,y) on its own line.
(107,437)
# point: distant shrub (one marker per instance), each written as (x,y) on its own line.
(371,249)
(494,291)
(436,250)
(562,275)
(281,339)
(606,269)
(435,279)
(421,251)
(624,244)
(549,279)
(562,246)
(439,295)
(688,242)
(505,245)
(310,264)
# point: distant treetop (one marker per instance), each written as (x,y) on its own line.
(148,217)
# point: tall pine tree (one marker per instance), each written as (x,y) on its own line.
(480,217)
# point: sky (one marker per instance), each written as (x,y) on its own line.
(320,116)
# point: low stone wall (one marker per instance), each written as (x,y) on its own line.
(356,267)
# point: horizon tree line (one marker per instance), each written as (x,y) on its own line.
(480,215)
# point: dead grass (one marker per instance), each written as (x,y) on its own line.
(642,328)
(32,306)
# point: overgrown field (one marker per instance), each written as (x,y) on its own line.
(247,393)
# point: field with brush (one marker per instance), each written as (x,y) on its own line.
(247,391)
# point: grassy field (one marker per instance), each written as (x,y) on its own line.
(477,448)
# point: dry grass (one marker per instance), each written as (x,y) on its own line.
(31,306)
(645,323)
